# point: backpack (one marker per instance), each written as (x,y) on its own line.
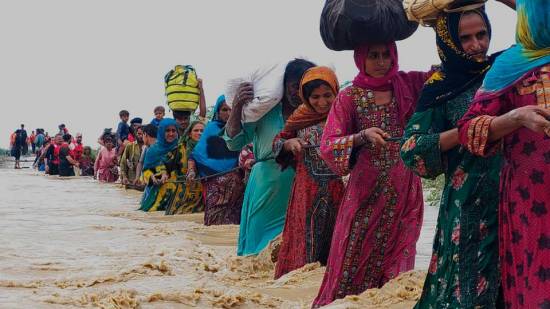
(182,88)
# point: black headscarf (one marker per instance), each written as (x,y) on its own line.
(458,70)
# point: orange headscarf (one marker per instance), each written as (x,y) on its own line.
(306,115)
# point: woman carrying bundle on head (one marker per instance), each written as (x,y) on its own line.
(380,216)
(463,271)
(187,196)
(223,185)
(317,191)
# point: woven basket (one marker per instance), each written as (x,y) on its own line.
(425,11)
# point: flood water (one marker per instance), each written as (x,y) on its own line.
(75,243)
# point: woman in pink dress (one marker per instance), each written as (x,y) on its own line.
(106,163)
(380,216)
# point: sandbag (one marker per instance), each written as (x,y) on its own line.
(182,88)
(426,11)
(268,90)
(347,24)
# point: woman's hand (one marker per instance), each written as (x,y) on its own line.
(533,117)
(191,175)
(248,164)
(162,180)
(375,136)
(245,94)
(294,145)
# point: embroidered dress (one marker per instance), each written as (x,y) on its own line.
(380,216)
(313,206)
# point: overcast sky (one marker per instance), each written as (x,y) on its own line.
(80,62)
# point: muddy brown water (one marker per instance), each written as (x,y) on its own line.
(76,243)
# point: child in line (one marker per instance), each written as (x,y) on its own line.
(159,115)
(106,163)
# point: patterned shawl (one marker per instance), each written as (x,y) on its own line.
(458,70)
(531,51)
(306,115)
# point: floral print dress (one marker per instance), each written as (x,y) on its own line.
(524,207)
(464,271)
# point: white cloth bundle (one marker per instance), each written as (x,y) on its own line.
(268,90)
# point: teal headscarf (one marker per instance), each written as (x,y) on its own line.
(156,153)
(211,153)
(531,51)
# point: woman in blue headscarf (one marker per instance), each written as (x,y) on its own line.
(159,191)
(511,112)
(223,193)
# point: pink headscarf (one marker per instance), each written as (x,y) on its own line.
(405,86)
(362,80)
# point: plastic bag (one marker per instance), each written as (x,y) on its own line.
(268,90)
(347,24)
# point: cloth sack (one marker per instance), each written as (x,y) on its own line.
(268,90)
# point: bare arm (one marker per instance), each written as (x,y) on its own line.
(532,117)
(448,140)
(245,94)
(202,102)
(71,160)
(233,126)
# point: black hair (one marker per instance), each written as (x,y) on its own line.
(124,113)
(136,120)
(310,86)
(181,114)
(151,130)
(109,137)
(67,137)
(295,69)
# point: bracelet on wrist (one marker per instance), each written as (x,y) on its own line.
(364,139)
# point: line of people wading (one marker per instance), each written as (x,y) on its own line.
(480,120)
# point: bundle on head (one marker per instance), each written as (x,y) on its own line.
(347,24)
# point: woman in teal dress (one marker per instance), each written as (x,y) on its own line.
(463,271)
(268,189)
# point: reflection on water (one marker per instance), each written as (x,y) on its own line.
(74,243)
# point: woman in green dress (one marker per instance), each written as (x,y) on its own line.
(463,271)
